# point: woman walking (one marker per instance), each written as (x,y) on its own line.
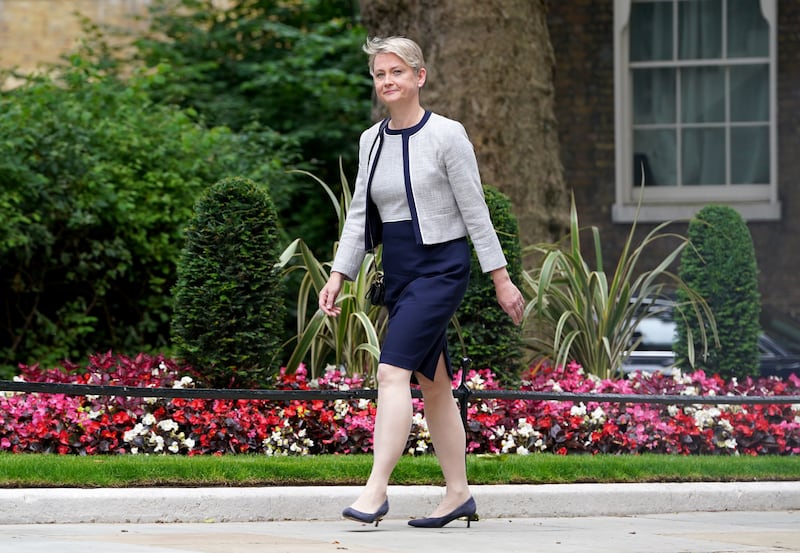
(418,192)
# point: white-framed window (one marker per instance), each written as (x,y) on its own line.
(695,108)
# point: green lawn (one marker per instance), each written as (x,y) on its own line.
(43,470)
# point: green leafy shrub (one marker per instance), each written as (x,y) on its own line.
(97,184)
(490,338)
(721,267)
(228,317)
(589,316)
(296,67)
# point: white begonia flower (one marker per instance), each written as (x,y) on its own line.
(705,418)
(94,414)
(184,382)
(680,378)
(422,446)
(598,415)
(578,410)
(134,451)
(673,410)
(363,404)
(522,451)
(168,425)
(476,382)
(173,447)
(689,391)
(159,444)
(189,443)
(340,408)
(524,428)
(92,397)
(149,419)
(508,444)
(137,430)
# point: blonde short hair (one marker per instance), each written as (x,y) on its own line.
(404,48)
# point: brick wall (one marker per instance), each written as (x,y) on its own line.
(37,31)
(583,41)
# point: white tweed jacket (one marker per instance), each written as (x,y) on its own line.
(446,196)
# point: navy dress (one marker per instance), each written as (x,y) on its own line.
(424,286)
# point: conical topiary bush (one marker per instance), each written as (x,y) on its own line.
(721,267)
(229,313)
(490,337)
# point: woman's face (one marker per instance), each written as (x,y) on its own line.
(395,81)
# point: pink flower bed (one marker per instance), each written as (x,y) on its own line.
(90,425)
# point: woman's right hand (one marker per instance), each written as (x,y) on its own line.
(329,293)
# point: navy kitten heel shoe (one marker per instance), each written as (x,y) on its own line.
(466,510)
(367,518)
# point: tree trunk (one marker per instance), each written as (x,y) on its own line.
(490,66)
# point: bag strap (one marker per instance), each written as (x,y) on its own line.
(379,141)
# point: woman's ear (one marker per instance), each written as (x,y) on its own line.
(421,76)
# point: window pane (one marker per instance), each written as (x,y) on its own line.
(703,95)
(750,93)
(750,155)
(654,153)
(653,96)
(703,152)
(748,32)
(651,31)
(700,29)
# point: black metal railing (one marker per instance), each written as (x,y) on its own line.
(462,393)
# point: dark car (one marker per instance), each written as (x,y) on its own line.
(778,344)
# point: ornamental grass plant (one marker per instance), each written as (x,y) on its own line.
(585,314)
(353,338)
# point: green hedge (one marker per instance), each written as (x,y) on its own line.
(96,186)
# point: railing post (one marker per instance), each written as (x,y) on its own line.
(463,392)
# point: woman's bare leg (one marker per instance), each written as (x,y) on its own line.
(392,427)
(448,437)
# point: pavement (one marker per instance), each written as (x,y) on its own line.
(753,517)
